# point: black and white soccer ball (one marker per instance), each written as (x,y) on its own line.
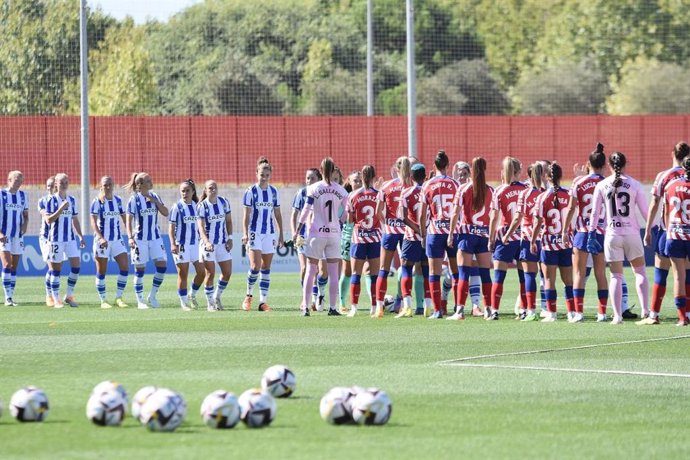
(29,404)
(106,408)
(279,381)
(111,385)
(371,407)
(257,408)
(220,409)
(164,410)
(336,406)
(140,398)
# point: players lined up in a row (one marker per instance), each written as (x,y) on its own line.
(530,222)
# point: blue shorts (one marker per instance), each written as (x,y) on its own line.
(660,248)
(507,252)
(365,251)
(526,254)
(391,241)
(580,240)
(473,244)
(413,251)
(677,248)
(437,246)
(562,257)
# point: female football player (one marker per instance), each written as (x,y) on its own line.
(506,247)
(326,200)
(215,232)
(43,236)
(353,182)
(184,243)
(619,195)
(61,215)
(262,227)
(14,217)
(556,251)
(472,202)
(581,194)
(662,263)
(144,235)
(107,211)
(439,233)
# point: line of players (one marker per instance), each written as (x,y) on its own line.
(471,226)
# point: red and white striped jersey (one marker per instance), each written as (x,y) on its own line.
(527,200)
(505,201)
(660,183)
(438,193)
(389,195)
(677,204)
(552,206)
(583,191)
(361,208)
(473,222)
(410,206)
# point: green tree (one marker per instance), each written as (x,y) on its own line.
(650,86)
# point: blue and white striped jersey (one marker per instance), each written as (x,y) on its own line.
(108,216)
(12,207)
(145,214)
(299,202)
(261,204)
(213,217)
(45,228)
(61,230)
(184,217)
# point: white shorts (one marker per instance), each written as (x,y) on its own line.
(264,243)
(147,250)
(219,253)
(186,254)
(14,245)
(617,248)
(114,249)
(55,251)
(45,248)
(72,249)
(318,247)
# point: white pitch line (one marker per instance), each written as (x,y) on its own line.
(566,369)
(458,361)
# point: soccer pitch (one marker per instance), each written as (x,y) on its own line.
(593,391)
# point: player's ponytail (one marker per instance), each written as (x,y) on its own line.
(368,176)
(617,162)
(403,166)
(536,173)
(327,169)
(511,168)
(681,150)
(555,174)
(132,185)
(478,183)
(597,159)
(686,167)
(441,160)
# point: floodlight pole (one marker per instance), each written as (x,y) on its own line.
(411,88)
(84,73)
(370,60)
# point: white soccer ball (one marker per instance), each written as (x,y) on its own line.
(111,385)
(29,404)
(220,409)
(336,406)
(279,381)
(257,408)
(106,409)
(140,398)
(164,410)
(371,407)
(388,302)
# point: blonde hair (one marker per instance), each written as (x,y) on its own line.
(511,167)
(403,166)
(135,180)
(101,195)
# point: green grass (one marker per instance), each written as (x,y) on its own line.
(438,411)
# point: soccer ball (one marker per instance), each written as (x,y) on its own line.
(111,385)
(29,405)
(257,408)
(140,398)
(336,406)
(389,302)
(371,407)
(279,381)
(164,410)
(106,409)
(220,409)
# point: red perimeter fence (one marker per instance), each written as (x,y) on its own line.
(226,148)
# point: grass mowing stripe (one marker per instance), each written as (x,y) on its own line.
(564,369)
